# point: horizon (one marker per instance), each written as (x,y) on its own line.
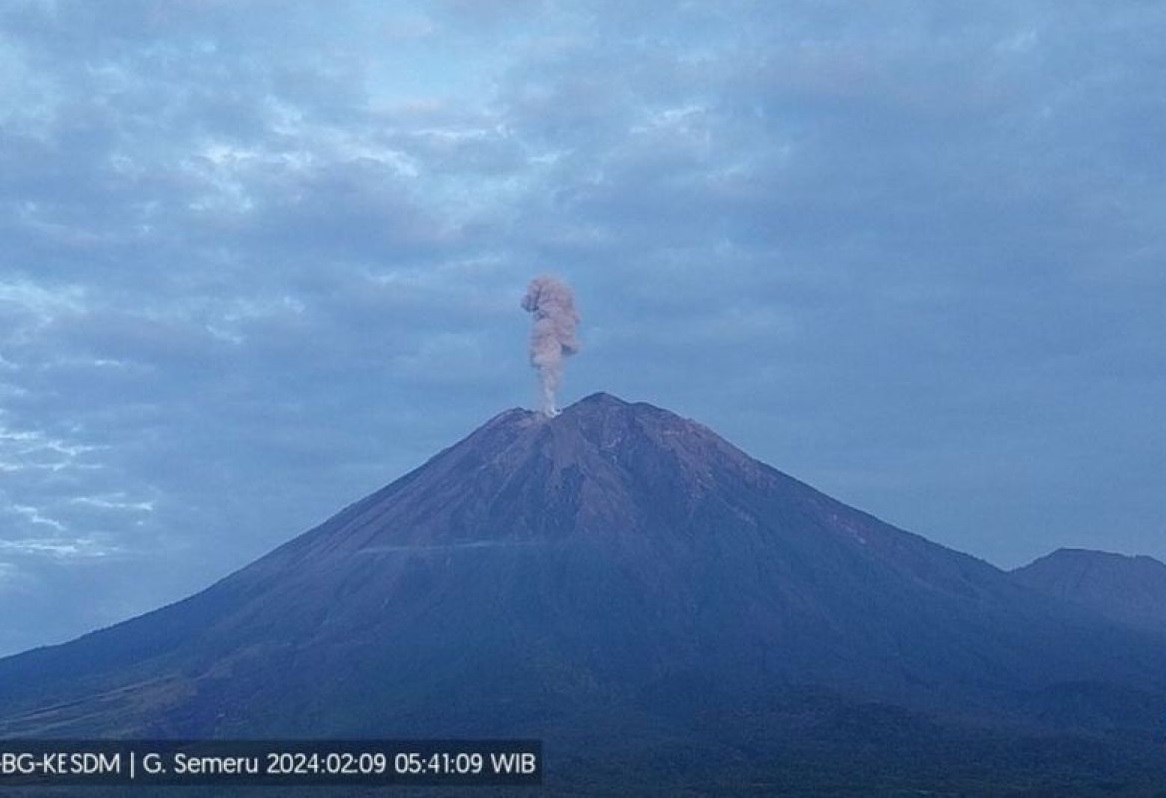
(262,263)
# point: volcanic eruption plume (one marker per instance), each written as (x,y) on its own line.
(552,338)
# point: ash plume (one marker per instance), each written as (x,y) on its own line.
(552,338)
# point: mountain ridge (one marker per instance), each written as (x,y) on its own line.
(1126,589)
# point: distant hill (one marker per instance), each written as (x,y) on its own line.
(668,613)
(1131,590)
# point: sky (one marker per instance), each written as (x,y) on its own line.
(258,259)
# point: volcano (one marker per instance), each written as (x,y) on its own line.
(658,606)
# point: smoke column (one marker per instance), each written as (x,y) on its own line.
(552,338)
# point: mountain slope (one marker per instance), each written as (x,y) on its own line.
(616,570)
(1130,590)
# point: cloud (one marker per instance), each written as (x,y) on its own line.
(64,548)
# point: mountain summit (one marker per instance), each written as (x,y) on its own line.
(613,569)
(1129,590)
